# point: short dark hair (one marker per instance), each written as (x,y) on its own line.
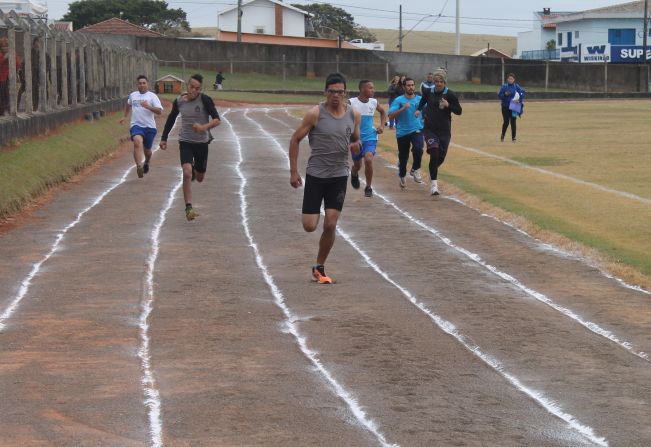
(197,77)
(510,75)
(409,79)
(363,82)
(335,78)
(142,77)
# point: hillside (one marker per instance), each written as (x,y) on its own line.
(425,41)
(444,43)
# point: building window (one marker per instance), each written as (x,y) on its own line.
(259,29)
(576,34)
(559,44)
(624,36)
(168,87)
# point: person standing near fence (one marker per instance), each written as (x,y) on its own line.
(143,105)
(366,105)
(333,131)
(4,75)
(511,98)
(408,132)
(219,79)
(198,116)
(438,106)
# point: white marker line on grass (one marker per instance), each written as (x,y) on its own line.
(597,186)
(290,318)
(591,326)
(449,328)
(148,381)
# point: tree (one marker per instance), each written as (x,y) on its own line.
(151,14)
(551,44)
(327,18)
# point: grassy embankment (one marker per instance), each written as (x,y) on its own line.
(32,167)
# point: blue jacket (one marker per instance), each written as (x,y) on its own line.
(511,88)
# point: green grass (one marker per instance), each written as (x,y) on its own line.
(256,81)
(28,170)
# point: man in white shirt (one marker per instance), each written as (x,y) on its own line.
(143,105)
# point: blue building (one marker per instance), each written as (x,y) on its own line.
(609,34)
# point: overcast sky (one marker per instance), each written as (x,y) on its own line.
(505,17)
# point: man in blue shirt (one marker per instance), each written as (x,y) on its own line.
(408,131)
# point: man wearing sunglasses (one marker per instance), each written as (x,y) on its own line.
(332,128)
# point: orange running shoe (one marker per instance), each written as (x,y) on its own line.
(319,275)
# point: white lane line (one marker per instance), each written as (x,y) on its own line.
(554,249)
(148,381)
(27,282)
(591,326)
(596,186)
(449,328)
(290,317)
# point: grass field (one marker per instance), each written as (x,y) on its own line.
(601,147)
(32,167)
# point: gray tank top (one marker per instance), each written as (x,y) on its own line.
(329,141)
(192,112)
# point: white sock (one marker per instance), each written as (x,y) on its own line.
(435,184)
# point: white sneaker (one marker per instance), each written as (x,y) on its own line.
(403,183)
(435,188)
(418,178)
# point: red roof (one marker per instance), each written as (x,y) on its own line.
(119,26)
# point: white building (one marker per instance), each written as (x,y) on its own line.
(609,34)
(265,17)
(29,8)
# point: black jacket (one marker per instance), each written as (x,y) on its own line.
(435,119)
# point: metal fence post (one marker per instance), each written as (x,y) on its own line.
(64,73)
(546,75)
(13,91)
(284,68)
(27,75)
(605,77)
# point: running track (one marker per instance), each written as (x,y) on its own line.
(121,324)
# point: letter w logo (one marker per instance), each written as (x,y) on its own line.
(601,49)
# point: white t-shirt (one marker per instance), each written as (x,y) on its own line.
(139,115)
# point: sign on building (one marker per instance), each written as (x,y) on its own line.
(628,54)
(595,53)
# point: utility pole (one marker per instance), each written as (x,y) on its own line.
(400,32)
(457,49)
(646,29)
(239,20)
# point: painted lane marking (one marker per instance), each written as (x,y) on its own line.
(148,381)
(591,326)
(27,282)
(449,328)
(290,318)
(597,186)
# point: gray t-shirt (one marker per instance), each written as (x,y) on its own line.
(329,141)
(192,112)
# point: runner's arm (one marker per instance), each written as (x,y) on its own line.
(309,121)
(355,145)
(383,117)
(169,124)
(127,109)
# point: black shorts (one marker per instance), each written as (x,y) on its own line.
(331,191)
(194,153)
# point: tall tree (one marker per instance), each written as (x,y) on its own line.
(152,14)
(327,18)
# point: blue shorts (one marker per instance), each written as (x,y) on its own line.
(148,134)
(368,147)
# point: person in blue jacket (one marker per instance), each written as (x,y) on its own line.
(510,91)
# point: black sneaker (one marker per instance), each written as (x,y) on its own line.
(145,168)
(354,181)
(368,191)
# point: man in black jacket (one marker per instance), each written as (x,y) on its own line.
(438,105)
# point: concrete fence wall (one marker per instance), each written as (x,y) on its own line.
(53,76)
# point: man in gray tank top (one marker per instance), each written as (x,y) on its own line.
(332,128)
(198,116)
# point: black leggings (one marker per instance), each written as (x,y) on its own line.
(508,117)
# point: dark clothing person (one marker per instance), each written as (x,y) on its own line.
(510,91)
(219,79)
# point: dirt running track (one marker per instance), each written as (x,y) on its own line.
(121,324)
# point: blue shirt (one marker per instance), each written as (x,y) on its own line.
(406,122)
